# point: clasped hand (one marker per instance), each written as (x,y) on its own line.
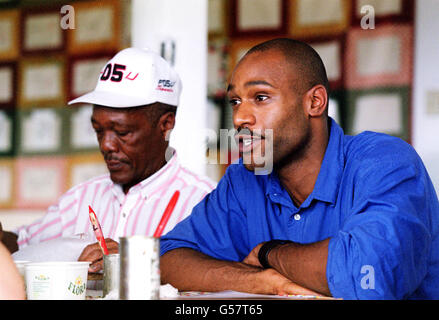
(93,253)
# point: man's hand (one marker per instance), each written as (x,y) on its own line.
(272,282)
(276,282)
(93,253)
(252,258)
(302,264)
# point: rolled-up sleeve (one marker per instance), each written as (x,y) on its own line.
(215,226)
(383,247)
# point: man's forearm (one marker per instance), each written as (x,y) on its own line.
(190,270)
(303,264)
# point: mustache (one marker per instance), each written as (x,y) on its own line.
(112,157)
(246,132)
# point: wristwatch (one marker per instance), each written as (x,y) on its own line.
(265,250)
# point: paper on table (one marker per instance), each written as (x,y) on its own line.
(61,249)
(229,294)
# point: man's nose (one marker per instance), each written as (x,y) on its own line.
(243,116)
(108,143)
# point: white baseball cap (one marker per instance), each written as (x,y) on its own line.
(135,77)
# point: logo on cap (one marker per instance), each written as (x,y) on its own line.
(165,85)
(116,73)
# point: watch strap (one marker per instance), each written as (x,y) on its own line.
(265,250)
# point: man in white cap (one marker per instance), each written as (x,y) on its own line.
(134,108)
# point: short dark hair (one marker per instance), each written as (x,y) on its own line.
(156,110)
(305,59)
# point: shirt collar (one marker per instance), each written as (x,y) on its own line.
(328,180)
(331,170)
(151,184)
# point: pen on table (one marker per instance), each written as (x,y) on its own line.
(166,214)
(97,230)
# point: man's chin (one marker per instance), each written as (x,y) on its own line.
(259,169)
(118,178)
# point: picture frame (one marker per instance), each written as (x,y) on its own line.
(42,131)
(385,109)
(82,137)
(40,181)
(217,68)
(331,51)
(218,17)
(8,131)
(101,17)
(41,32)
(42,81)
(258,18)
(83,72)
(9,34)
(389,11)
(84,166)
(316,18)
(7,183)
(371,61)
(8,85)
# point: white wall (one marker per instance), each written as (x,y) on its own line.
(185,22)
(426,77)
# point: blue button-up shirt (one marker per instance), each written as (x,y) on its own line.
(373,198)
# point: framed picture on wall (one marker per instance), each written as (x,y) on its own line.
(384,110)
(7,132)
(258,17)
(383,11)
(41,31)
(82,135)
(40,181)
(97,27)
(84,72)
(379,57)
(6,183)
(218,18)
(9,35)
(82,167)
(42,131)
(217,55)
(314,18)
(42,82)
(8,85)
(331,51)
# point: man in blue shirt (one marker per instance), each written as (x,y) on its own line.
(353,217)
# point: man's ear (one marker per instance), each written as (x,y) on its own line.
(166,123)
(317,100)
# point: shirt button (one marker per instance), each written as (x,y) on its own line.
(297,217)
(124,214)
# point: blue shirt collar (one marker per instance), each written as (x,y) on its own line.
(328,180)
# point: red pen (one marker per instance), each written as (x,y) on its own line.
(98,230)
(166,214)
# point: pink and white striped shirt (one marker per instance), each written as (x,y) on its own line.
(136,213)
